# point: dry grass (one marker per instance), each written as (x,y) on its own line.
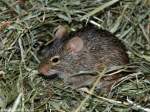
(23,24)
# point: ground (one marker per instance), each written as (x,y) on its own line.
(23,23)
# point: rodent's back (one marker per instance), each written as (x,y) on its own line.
(104,46)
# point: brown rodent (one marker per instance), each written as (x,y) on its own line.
(86,50)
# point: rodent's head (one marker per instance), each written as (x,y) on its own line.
(69,59)
(65,56)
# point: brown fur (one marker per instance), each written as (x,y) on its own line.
(99,47)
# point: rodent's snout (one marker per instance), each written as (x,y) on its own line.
(44,70)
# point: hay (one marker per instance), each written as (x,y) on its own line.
(24,22)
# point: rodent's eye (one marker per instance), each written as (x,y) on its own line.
(55,60)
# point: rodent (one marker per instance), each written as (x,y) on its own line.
(87,49)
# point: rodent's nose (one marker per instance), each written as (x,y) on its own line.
(44,70)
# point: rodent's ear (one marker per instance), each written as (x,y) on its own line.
(60,32)
(75,45)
